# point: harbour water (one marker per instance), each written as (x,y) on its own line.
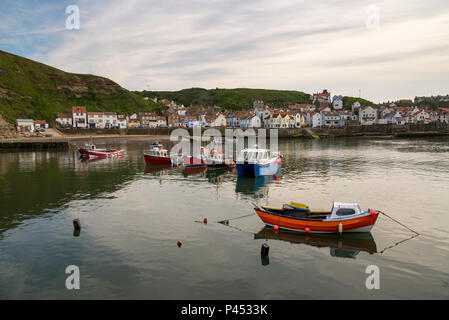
(132,217)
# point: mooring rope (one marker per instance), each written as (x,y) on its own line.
(226,221)
(398,222)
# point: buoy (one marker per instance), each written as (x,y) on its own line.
(307,229)
(276,227)
(205,220)
(340,228)
(179,243)
(77,224)
(264,250)
(373,212)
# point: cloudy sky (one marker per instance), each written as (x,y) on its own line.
(389,49)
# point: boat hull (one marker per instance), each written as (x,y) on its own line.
(99,153)
(192,162)
(149,159)
(359,224)
(258,170)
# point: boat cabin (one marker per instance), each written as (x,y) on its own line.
(253,155)
(341,210)
(158,152)
(89,147)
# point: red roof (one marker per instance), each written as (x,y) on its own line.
(79,110)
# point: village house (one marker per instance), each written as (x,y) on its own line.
(337,102)
(79,116)
(323,97)
(161,122)
(218,120)
(40,124)
(191,121)
(132,121)
(367,116)
(147,118)
(110,120)
(95,120)
(64,119)
(332,119)
(121,121)
(421,116)
(355,106)
(25,124)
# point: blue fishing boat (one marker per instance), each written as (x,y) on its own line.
(258,162)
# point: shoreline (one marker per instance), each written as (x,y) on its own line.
(68,141)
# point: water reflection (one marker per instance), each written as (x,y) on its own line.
(255,187)
(347,245)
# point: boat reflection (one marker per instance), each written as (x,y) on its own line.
(347,245)
(188,171)
(157,169)
(217,176)
(256,187)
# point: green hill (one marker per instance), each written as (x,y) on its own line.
(348,101)
(29,89)
(230,99)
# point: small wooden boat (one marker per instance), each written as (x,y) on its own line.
(343,217)
(89,150)
(258,162)
(195,161)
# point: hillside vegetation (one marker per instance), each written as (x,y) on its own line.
(29,89)
(231,99)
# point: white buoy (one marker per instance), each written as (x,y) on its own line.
(340,228)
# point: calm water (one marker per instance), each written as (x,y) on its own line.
(132,218)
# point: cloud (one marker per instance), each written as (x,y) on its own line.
(289,44)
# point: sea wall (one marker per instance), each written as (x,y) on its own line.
(346,131)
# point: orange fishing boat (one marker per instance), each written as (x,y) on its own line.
(343,217)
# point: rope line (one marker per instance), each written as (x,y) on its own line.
(398,222)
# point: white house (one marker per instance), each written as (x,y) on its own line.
(317,120)
(79,116)
(110,120)
(121,121)
(161,122)
(367,116)
(95,120)
(337,102)
(64,119)
(254,122)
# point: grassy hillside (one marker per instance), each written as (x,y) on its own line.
(348,101)
(232,99)
(29,89)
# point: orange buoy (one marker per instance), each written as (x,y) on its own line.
(205,220)
(373,212)
(276,227)
(307,229)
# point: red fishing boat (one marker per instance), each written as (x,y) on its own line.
(343,217)
(92,151)
(157,155)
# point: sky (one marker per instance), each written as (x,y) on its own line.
(384,50)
